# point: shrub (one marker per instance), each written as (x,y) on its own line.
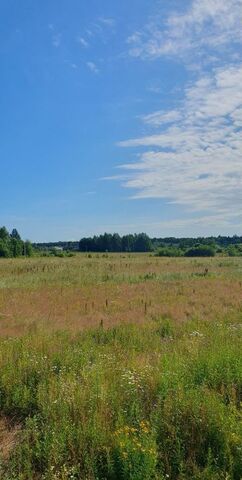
(169,252)
(200,251)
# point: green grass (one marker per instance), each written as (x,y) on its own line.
(157,401)
(155,396)
(111,268)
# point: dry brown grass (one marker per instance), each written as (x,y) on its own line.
(76,293)
(9,433)
(177,371)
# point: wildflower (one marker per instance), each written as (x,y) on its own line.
(196,334)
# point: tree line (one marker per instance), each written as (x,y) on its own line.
(167,247)
(173,247)
(115,243)
(142,242)
(11,244)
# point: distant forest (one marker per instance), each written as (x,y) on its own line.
(11,245)
(169,246)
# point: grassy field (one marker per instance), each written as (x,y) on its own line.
(120,367)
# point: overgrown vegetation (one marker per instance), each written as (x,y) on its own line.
(161,401)
(57,252)
(120,367)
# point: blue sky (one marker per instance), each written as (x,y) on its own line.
(121,116)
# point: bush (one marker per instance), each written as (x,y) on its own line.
(201,251)
(234,250)
(169,252)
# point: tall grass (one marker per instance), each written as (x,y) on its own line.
(160,400)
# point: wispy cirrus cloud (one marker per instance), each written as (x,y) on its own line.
(161,117)
(99,29)
(82,42)
(107,22)
(205,24)
(193,157)
(92,67)
(196,160)
(56,36)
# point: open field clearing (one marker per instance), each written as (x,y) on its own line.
(120,367)
(80,292)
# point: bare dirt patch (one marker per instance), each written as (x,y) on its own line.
(9,434)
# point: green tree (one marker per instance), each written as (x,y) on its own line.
(16,247)
(116,243)
(15,234)
(128,243)
(4,235)
(142,243)
(4,249)
(28,248)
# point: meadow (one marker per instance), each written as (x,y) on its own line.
(120,367)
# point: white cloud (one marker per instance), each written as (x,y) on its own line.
(92,67)
(158,118)
(213,24)
(82,42)
(56,40)
(102,27)
(194,156)
(196,160)
(107,21)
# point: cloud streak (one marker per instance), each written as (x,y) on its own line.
(83,42)
(206,24)
(193,157)
(196,160)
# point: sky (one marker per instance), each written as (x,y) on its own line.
(121,116)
